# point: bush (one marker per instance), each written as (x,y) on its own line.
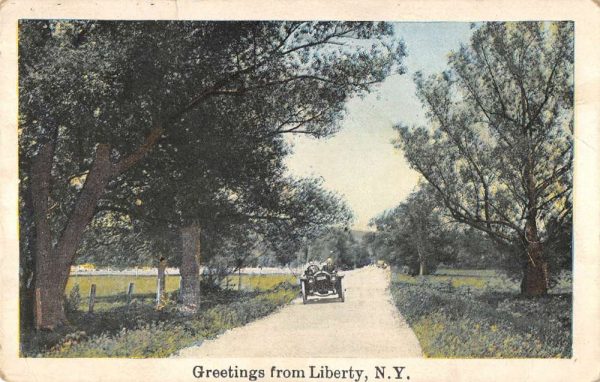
(473,320)
(73,301)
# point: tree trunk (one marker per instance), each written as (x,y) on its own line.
(535,272)
(423,267)
(53,263)
(40,191)
(189,293)
(49,308)
(421,255)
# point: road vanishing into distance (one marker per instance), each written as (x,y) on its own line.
(366,325)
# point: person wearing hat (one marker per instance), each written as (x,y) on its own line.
(329,266)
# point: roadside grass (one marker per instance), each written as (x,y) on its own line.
(141,331)
(479,314)
(259,282)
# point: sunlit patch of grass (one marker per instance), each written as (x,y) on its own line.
(111,290)
(467,272)
(474,282)
(400,277)
(111,285)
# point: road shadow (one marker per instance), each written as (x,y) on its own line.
(323,300)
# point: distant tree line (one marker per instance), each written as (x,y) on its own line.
(343,245)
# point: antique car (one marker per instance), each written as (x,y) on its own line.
(320,282)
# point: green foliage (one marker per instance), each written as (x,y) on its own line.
(415,233)
(74,299)
(140,331)
(343,246)
(475,250)
(482,316)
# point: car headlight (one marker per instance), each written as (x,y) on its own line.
(332,278)
(311,281)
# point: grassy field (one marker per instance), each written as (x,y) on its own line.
(468,314)
(112,289)
(117,284)
(139,330)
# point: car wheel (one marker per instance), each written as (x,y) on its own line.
(303,291)
(340,291)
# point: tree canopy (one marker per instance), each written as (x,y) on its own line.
(178,123)
(498,145)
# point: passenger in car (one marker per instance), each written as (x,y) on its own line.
(329,265)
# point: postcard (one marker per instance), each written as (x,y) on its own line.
(300,191)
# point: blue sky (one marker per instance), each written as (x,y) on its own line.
(359,162)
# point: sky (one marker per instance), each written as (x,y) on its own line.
(360,162)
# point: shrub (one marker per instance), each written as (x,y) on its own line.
(73,301)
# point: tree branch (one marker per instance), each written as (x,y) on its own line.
(126,163)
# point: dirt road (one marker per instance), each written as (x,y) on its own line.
(366,325)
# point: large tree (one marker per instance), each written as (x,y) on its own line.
(98,99)
(498,148)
